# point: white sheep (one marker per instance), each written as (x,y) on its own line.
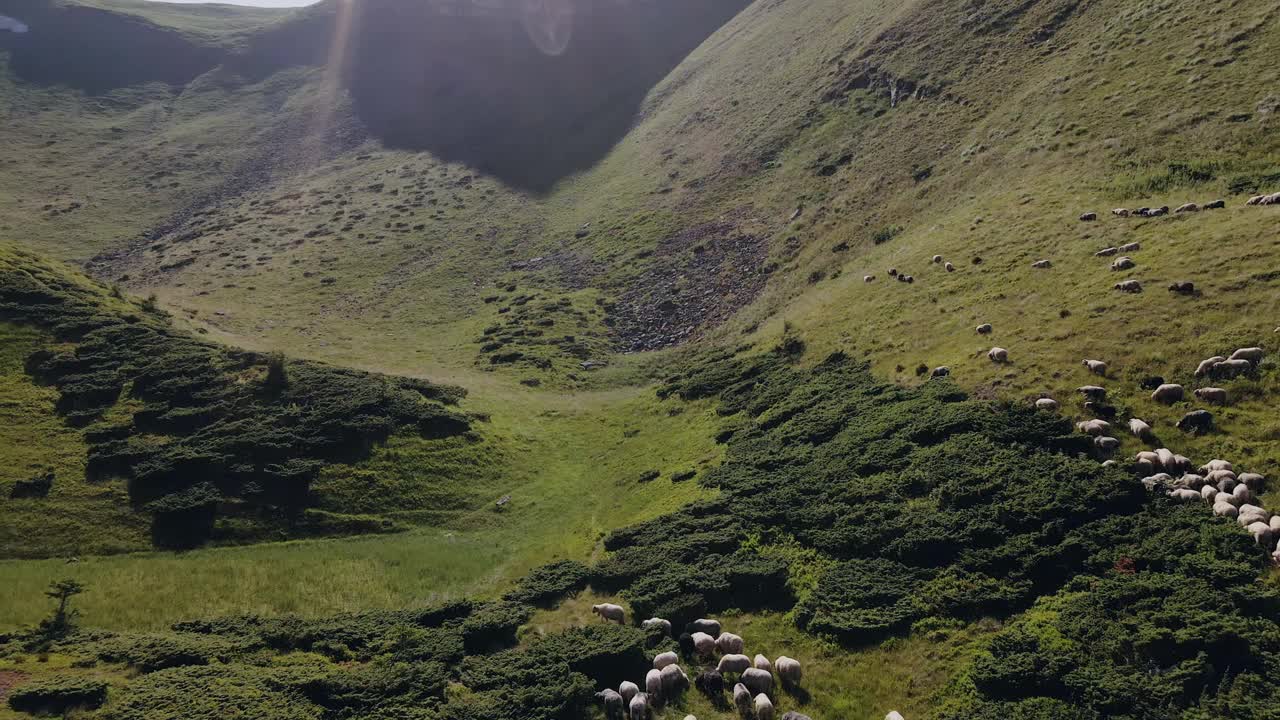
(1223,509)
(1131,247)
(729,644)
(1168,393)
(704,644)
(1185,494)
(1097,367)
(653,684)
(757,681)
(1208,493)
(1215,465)
(1041,264)
(1140,429)
(1206,366)
(1230,368)
(1212,395)
(1095,428)
(1048,404)
(653,623)
(764,707)
(628,690)
(984,329)
(789,671)
(937,259)
(639,707)
(733,663)
(662,660)
(1262,533)
(998,355)
(761,662)
(1092,392)
(742,699)
(609,612)
(1253,480)
(1252,354)
(949,267)
(1105,443)
(1122,263)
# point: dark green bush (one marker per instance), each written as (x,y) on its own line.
(546,586)
(57,695)
(154,652)
(493,625)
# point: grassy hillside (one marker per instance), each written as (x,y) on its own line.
(638,236)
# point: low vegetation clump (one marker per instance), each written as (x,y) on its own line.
(201,430)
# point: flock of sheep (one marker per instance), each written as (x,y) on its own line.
(701,642)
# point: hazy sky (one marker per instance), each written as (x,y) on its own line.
(255,3)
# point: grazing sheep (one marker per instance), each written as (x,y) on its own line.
(937,259)
(1149,457)
(764,707)
(1041,264)
(1088,217)
(652,623)
(949,267)
(1095,428)
(1183,288)
(1255,200)
(1110,463)
(793,715)
(1227,486)
(711,684)
(1192,481)
(639,707)
(1215,205)
(757,681)
(1048,404)
(662,660)
(1230,368)
(868,278)
(1140,429)
(940,371)
(1223,509)
(703,625)
(1168,393)
(628,690)
(1120,212)
(1122,263)
(893,272)
(910,279)
(1151,382)
(1206,366)
(1129,286)
(609,612)
(729,644)
(653,685)
(674,682)
(1254,510)
(704,644)
(1262,533)
(612,703)
(1165,458)
(1097,367)
(998,355)
(1215,465)
(733,663)
(894,715)
(1196,422)
(686,645)
(1217,476)
(1092,392)
(1242,493)
(1212,395)
(1274,522)
(1131,247)
(788,671)
(984,329)
(1253,354)
(1208,493)
(761,662)
(1253,480)
(1157,212)
(1106,444)
(1106,252)
(1159,480)
(1185,494)
(1189,207)
(742,699)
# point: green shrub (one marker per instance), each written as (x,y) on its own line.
(493,625)
(57,695)
(546,586)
